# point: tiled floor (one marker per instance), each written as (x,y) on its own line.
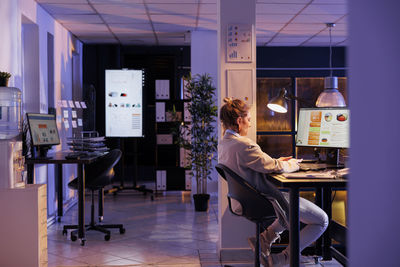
(163,232)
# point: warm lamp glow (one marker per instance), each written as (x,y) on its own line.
(278,103)
(277,108)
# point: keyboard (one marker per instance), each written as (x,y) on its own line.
(313,166)
(76,155)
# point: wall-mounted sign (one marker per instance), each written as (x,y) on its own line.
(238,45)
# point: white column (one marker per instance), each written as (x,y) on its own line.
(374,63)
(233,230)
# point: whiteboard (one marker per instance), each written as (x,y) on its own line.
(124,103)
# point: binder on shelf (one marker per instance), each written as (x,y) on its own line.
(162,89)
(188,180)
(186,133)
(183,157)
(164,139)
(161,180)
(164,180)
(160,111)
(186,113)
(184,91)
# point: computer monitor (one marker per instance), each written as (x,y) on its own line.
(323,127)
(43,131)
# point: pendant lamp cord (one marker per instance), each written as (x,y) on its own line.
(330,49)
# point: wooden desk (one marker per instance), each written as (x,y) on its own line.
(59,159)
(325,187)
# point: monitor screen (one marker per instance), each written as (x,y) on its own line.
(43,129)
(323,127)
(124,103)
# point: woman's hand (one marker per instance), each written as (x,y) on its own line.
(285,158)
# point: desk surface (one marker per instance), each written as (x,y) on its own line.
(59,158)
(281,181)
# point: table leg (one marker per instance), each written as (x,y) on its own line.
(294,231)
(318,202)
(81,203)
(326,237)
(60,199)
(30,169)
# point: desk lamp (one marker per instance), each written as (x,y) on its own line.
(279,104)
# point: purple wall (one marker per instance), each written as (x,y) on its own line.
(374,93)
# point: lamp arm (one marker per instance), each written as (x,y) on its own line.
(290,96)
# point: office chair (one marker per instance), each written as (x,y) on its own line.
(254,205)
(98,175)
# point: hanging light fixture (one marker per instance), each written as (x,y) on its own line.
(330,97)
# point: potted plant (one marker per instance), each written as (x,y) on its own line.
(4,77)
(203,140)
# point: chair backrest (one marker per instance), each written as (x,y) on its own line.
(100,172)
(256,205)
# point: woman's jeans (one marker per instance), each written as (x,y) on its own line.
(310,214)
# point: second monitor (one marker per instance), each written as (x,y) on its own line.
(43,131)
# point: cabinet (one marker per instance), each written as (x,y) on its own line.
(170,158)
(23,228)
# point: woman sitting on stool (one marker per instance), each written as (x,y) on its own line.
(246,158)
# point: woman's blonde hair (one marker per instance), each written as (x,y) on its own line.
(231,111)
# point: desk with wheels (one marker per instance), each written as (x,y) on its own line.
(325,187)
(59,158)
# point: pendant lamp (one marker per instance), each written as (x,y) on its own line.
(330,97)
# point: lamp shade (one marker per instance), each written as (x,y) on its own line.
(330,97)
(278,103)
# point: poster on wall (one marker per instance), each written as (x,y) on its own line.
(124,103)
(239,43)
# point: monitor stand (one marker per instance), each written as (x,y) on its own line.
(332,158)
(40,152)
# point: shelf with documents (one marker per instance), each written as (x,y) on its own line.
(170,157)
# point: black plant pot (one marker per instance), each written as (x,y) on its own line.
(4,81)
(201,202)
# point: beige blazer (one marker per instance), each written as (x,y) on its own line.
(246,158)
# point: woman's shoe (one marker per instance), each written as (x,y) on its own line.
(267,238)
(266,261)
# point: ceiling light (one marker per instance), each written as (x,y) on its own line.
(330,97)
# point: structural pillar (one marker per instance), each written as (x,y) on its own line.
(237,79)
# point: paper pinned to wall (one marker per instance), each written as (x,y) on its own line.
(66,124)
(71,104)
(66,114)
(64,103)
(240,84)
(74,115)
(83,105)
(80,122)
(77,105)
(74,125)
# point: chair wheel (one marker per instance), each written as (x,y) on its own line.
(64,232)
(73,237)
(122,231)
(83,242)
(107,237)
